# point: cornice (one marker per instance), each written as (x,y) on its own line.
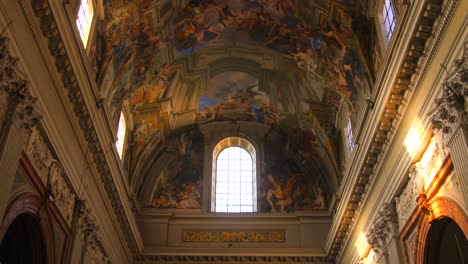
(422,48)
(48,26)
(411,68)
(234,259)
(403,162)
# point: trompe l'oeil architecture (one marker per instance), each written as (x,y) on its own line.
(233,131)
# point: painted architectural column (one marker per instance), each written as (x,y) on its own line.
(20,117)
(450,120)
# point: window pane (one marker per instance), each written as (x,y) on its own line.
(350,136)
(84,19)
(233,209)
(389,18)
(234,181)
(121,131)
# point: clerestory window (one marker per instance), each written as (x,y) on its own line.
(84,19)
(389,19)
(350,136)
(234,176)
(121,132)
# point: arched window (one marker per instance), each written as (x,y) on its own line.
(234,176)
(121,132)
(84,19)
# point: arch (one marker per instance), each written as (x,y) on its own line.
(26,207)
(442,208)
(23,241)
(222,151)
(446,243)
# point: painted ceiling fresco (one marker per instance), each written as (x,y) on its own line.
(179,184)
(326,60)
(296,169)
(235,96)
(328,52)
(129,54)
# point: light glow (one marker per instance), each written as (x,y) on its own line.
(84,19)
(369,259)
(350,136)
(362,246)
(121,131)
(389,19)
(234,181)
(413,140)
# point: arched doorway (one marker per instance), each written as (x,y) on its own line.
(446,243)
(23,242)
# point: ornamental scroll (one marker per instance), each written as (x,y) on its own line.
(274,236)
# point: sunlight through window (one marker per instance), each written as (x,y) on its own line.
(84,19)
(413,141)
(350,136)
(362,246)
(389,19)
(121,135)
(235,176)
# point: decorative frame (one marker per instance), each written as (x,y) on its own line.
(419,223)
(31,203)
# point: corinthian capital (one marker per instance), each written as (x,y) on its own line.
(384,225)
(452,106)
(16,89)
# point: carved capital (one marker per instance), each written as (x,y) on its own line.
(83,222)
(16,89)
(27,113)
(451,107)
(82,219)
(384,226)
(95,255)
(406,202)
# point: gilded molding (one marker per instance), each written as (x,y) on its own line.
(275,236)
(51,173)
(75,212)
(422,48)
(392,114)
(236,259)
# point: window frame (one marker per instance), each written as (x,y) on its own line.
(350,136)
(389,18)
(121,149)
(87,36)
(251,150)
(384,33)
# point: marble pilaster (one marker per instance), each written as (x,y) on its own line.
(450,120)
(20,117)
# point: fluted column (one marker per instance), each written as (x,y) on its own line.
(19,119)
(451,120)
(458,145)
